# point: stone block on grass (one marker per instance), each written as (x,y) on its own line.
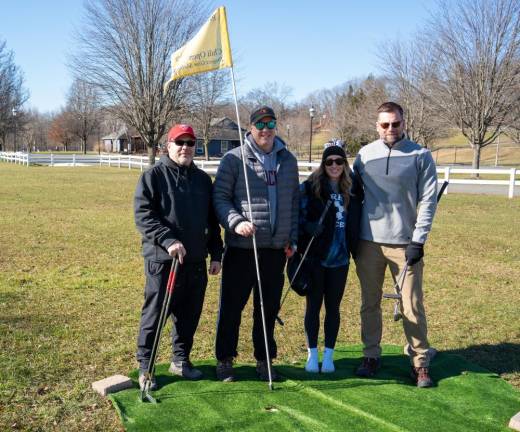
(514,423)
(112,384)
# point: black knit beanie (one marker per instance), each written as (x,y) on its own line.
(333,147)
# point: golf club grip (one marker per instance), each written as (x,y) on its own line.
(442,189)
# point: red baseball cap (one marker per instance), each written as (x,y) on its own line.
(180,129)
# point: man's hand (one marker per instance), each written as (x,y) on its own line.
(245,229)
(414,252)
(177,250)
(214,267)
(290,250)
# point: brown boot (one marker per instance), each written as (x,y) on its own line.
(421,377)
(369,367)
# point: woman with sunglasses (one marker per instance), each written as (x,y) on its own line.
(334,240)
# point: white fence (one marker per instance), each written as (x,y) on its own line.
(141,162)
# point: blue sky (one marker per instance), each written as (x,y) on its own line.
(308,45)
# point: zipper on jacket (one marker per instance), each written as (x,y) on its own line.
(388,159)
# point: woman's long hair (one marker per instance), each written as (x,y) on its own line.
(319,183)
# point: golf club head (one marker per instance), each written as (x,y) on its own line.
(397,312)
(145,392)
(394,296)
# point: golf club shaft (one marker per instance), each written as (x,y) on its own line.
(262,312)
(163,315)
(441,190)
(320,221)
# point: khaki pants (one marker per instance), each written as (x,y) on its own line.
(372,259)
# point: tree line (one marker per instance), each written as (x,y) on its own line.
(461,71)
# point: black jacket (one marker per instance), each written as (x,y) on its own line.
(173,202)
(314,209)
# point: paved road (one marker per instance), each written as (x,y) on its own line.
(482,189)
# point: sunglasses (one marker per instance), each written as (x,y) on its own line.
(395,125)
(338,162)
(271,124)
(180,143)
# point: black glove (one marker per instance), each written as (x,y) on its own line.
(314,229)
(414,253)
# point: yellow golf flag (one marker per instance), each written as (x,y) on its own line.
(208,50)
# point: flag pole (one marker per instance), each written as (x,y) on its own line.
(255,249)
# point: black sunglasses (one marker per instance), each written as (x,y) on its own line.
(180,143)
(395,125)
(338,162)
(271,124)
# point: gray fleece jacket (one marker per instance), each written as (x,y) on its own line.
(400,185)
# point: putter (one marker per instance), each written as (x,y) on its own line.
(398,283)
(320,221)
(400,279)
(145,392)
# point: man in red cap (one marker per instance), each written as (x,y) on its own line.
(174,214)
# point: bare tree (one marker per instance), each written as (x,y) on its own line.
(511,126)
(124,50)
(273,94)
(35,133)
(476,45)
(12,94)
(409,71)
(355,111)
(83,109)
(204,95)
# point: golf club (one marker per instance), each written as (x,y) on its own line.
(320,221)
(145,392)
(255,249)
(398,283)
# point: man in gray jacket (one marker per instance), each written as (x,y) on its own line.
(273,181)
(399,179)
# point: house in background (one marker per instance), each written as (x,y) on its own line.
(224,136)
(123,141)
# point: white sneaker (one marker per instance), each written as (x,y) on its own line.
(312,365)
(327,364)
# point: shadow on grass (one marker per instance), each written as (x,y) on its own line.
(499,358)
(395,370)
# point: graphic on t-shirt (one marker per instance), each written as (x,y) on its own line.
(270,177)
(340,211)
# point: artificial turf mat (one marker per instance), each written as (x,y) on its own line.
(466,398)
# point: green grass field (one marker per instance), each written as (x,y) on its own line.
(467,399)
(71,291)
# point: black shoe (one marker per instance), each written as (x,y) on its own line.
(225,370)
(185,369)
(263,373)
(142,380)
(421,377)
(369,367)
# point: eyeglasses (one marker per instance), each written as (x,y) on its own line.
(395,125)
(338,162)
(271,124)
(180,143)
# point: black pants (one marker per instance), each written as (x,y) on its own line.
(185,307)
(238,279)
(328,284)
